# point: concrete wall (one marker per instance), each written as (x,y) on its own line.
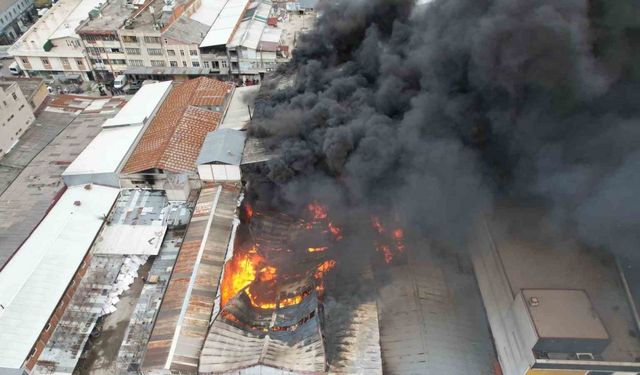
(219,172)
(16,116)
(498,299)
(107,179)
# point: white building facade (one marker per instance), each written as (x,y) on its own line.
(51,46)
(17,116)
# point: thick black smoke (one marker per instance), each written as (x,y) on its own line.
(433,112)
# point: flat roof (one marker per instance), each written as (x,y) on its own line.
(237,116)
(141,106)
(74,19)
(106,151)
(28,86)
(208,11)
(563,313)
(535,261)
(137,224)
(34,281)
(59,21)
(225,23)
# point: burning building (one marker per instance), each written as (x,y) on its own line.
(271,313)
(253,339)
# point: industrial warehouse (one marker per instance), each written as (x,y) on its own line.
(438,187)
(148,204)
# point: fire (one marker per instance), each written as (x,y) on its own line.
(239,272)
(323,268)
(319,211)
(377,225)
(335,231)
(383,244)
(317,249)
(252,272)
(248,209)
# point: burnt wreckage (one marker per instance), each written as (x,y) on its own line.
(272,313)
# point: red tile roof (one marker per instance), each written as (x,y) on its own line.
(175,135)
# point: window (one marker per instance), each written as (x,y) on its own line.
(195,64)
(113,50)
(184,63)
(206,64)
(65,61)
(33,352)
(24,60)
(154,51)
(79,62)
(129,39)
(47,327)
(152,39)
(118,62)
(20,109)
(173,63)
(97,61)
(14,96)
(132,51)
(135,62)
(44,61)
(223,63)
(171,52)
(193,52)
(181,53)
(157,63)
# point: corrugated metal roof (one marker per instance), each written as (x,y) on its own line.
(174,138)
(141,106)
(190,309)
(223,146)
(225,23)
(35,279)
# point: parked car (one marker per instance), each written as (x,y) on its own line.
(133,87)
(120,82)
(14,68)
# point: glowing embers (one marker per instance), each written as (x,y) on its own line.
(389,242)
(263,269)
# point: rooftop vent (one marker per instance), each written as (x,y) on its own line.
(534,301)
(77,203)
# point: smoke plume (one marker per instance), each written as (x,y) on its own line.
(433,112)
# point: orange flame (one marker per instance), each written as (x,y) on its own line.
(318,211)
(317,249)
(239,272)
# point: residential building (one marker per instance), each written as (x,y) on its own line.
(554,306)
(37,284)
(17,115)
(165,158)
(51,46)
(241,44)
(34,89)
(15,15)
(131,34)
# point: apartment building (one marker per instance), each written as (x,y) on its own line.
(51,46)
(240,43)
(125,34)
(169,39)
(15,15)
(160,39)
(17,115)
